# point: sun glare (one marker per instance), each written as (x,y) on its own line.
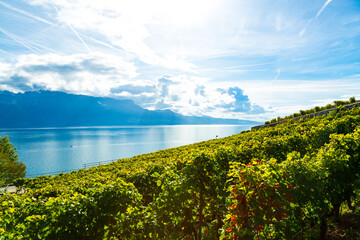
(185,12)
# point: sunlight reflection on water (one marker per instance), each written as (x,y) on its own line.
(62,149)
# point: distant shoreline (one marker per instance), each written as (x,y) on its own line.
(120,126)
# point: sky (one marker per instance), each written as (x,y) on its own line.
(244,59)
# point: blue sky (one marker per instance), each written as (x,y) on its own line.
(244,59)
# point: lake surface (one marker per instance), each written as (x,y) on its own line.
(49,150)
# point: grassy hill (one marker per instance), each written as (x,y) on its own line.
(297,180)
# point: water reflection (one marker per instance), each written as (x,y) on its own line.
(62,149)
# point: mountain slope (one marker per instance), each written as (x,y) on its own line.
(58,109)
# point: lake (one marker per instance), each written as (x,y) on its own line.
(53,150)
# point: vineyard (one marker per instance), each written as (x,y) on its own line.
(282,182)
(316,111)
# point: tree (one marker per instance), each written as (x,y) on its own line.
(10,167)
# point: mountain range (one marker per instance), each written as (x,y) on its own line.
(59,109)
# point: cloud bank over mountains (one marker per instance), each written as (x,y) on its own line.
(92,74)
(107,75)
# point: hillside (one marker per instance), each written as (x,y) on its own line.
(316,111)
(292,181)
(58,109)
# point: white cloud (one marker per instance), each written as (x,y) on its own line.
(125,23)
(5,69)
(92,74)
(190,95)
(171,33)
(285,97)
